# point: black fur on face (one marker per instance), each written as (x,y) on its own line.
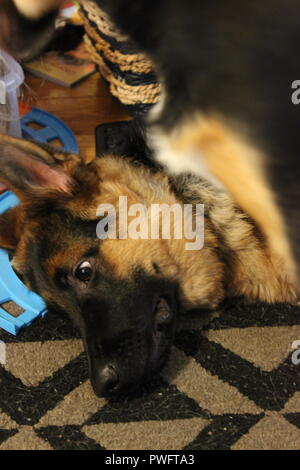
(126,322)
(122,329)
(127,326)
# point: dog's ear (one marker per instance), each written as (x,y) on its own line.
(30,170)
(11,225)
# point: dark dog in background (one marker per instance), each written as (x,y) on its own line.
(227,70)
(125,295)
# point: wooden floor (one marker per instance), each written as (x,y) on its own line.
(82,107)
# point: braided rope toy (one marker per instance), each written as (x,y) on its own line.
(129,73)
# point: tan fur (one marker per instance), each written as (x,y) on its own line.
(200,273)
(235,259)
(36,8)
(251,270)
(238,165)
(233,160)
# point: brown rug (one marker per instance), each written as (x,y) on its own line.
(231,383)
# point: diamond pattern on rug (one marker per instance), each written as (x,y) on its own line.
(6,422)
(269,390)
(223,432)
(31,371)
(207,389)
(270,433)
(220,390)
(293,418)
(264,347)
(29,404)
(5,434)
(146,435)
(24,439)
(87,404)
(163,403)
(68,438)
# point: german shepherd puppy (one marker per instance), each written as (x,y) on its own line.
(125,295)
(228,70)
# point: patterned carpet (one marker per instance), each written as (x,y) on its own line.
(230,384)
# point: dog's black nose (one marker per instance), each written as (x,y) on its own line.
(107,380)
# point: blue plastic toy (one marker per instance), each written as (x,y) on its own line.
(11,287)
(51,128)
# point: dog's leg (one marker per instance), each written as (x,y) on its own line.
(211,148)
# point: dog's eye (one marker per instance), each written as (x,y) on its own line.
(84,271)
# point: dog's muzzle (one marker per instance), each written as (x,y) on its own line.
(134,357)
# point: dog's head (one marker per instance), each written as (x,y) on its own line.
(122,294)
